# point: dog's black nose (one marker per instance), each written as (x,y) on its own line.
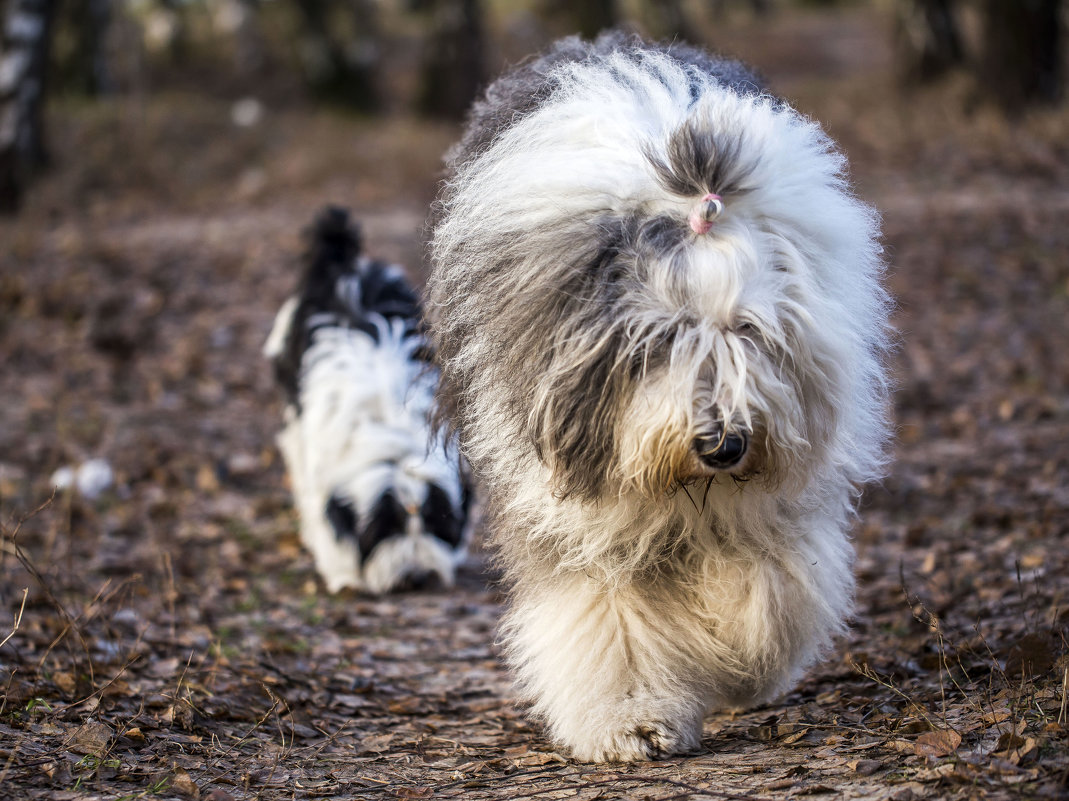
(719,450)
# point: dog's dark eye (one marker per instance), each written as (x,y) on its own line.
(747,331)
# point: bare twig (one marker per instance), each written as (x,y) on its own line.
(279,700)
(18,618)
(99,690)
(1065,688)
(28,516)
(872,675)
(242,739)
(71,623)
(330,738)
(931,620)
(172,592)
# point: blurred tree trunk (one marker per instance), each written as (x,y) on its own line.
(668,20)
(929,38)
(178,41)
(585,17)
(594,16)
(718,8)
(92,19)
(250,50)
(343,71)
(452,70)
(1022,52)
(24,46)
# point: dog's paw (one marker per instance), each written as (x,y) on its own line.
(340,575)
(638,743)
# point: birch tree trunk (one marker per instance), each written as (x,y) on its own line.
(24,46)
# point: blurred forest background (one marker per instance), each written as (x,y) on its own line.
(426,56)
(163,634)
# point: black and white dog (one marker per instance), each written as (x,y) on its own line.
(382,500)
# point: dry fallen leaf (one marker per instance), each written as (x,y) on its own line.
(91,738)
(937,743)
(1007,741)
(864,767)
(183,784)
(376,742)
(218,794)
(794,737)
(135,734)
(1018,749)
(536,758)
(65,681)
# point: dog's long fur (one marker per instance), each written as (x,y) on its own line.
(590,340)
(382,502)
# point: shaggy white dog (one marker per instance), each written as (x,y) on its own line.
(381,499)
(658,314)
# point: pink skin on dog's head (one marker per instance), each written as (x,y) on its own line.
(705,212)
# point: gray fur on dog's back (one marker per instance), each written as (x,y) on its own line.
(520,91)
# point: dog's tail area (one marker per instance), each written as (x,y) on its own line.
(333,246)
(329,292)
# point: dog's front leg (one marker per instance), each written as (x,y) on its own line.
(599,666)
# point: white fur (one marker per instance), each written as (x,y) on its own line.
(634,613)
(363,429)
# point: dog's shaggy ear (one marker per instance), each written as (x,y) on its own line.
(573,417)
(575,398)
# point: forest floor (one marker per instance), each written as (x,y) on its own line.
(169,639)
